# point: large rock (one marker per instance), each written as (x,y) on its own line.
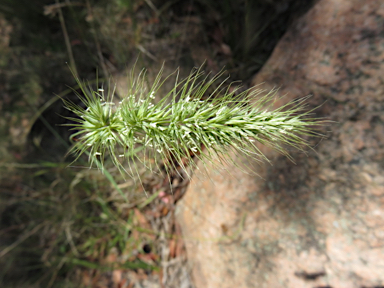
(319,222)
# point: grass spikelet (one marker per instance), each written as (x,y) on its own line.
(189,122)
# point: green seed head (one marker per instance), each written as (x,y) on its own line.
(189,122)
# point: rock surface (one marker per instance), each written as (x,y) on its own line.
(319,222)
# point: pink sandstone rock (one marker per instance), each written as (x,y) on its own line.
(319,222)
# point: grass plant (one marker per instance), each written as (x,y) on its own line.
(54,220)
(200,117)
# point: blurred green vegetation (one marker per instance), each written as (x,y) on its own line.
(56,218)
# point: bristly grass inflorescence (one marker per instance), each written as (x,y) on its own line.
(199,118)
